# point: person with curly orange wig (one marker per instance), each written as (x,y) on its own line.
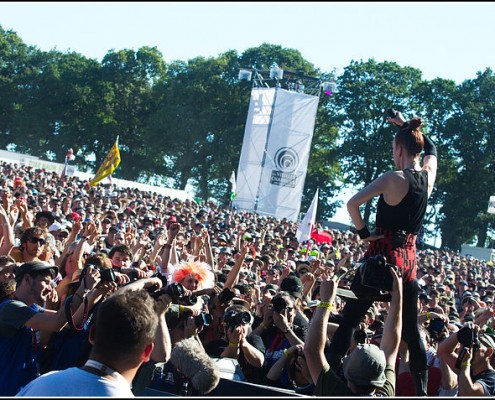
(193,275)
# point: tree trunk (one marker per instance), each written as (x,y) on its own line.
(482,235)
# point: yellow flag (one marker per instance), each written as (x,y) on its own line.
(111,162)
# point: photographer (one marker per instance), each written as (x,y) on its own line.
(70,347)
(277,327)
(23,317)
(122,340)
(368,370)
(239,342)
(291,372)
(476,376)
(399,217)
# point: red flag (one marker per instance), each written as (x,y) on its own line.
(321,236)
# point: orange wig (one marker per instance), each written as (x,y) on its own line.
(200,270)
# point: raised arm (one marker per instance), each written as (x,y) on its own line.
(430,162)
(317,332)
(7,233)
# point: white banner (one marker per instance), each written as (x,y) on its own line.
(491,205)
(275,152)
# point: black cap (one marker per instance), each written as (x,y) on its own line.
(293,285)
(33,266)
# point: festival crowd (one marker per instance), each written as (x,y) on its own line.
(103,284)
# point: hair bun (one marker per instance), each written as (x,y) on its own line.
(415,123)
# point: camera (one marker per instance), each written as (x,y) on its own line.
(225,296)
(233,318)
(203,319)
(279,304)
(437,325)
(375,273)
(175,290)
(106,274)
(468,337)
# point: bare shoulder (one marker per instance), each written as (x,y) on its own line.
(394,177)
(395,187)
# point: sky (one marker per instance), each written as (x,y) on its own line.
(450,40)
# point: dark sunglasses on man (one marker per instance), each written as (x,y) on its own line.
(35,240)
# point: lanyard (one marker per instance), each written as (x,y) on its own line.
(106,370)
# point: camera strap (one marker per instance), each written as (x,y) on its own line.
(70,317)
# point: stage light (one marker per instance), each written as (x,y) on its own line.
(276,72)
(329,88)
(245,75)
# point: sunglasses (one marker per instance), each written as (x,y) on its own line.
(34,240)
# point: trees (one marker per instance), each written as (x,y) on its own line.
(469,134)
(183,123)
(126,88)
(366,91)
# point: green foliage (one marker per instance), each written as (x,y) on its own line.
(366,91)
(183,123)
(470,135)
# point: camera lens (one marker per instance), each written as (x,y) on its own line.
(465,336)
(279,304)
(203,319)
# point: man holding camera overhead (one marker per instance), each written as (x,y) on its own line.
(400,211)
(476,377)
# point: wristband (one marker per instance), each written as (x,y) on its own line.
(232,344)
(429,147)
(364,232)
(286,353)
(263,325)
(428,316)
(326,305)
(181,309)
(466,364)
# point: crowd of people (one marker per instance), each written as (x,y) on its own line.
(101,286)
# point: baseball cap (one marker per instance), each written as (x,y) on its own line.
(293,285)
(365,365)
(271,287)
(33,266)
(488,340)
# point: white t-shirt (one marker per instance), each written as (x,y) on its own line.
(74,382)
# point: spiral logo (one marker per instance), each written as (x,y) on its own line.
(286,160)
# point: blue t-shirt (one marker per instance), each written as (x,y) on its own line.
(19,346)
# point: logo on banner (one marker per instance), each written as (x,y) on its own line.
(286,161)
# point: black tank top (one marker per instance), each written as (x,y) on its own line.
(409,213)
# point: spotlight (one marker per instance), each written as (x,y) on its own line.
(276,72)
(245,75)
(329,87)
